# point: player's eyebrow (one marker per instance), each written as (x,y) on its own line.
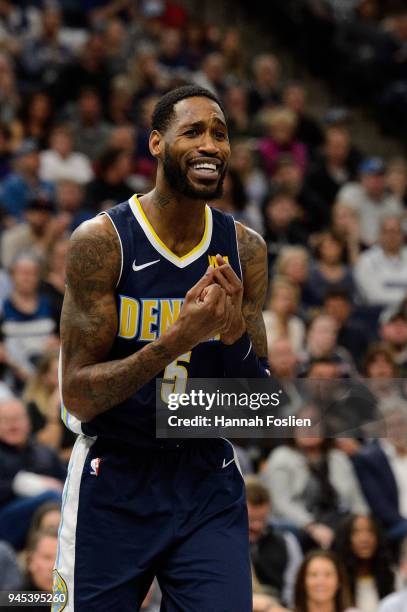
(200,124)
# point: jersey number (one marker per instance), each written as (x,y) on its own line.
(175,377)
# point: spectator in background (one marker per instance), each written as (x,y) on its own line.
(124,137)
(16,24)
(70,203)
(145,163)
(231,48)
(353,334)
(282,359)
(121,101)
(322,585)
(393,331)
(265,87)
(381,470)
(43,400)
(322,368)
(212,74)
(288,177)
(280,125)
(283,365)
(27,325)
(195,42)
(396,179)
(312,485)
(60,162)
(111,182)
(234,200)
(10,573)
(275,553)
(90,131)
(364,552)
(5,151)
(308,129)
(380,368)
(381,271)
(322,343)
(41,555)
(9,96)
(171,53)
(237,111)
(345,224)
(44,56)
(280,315)
(117,46)
(379,362)
(35,235)
(346,407)
(293,263)
(243,162)
(30,473)
(88,73)
(335,167)
(36,116)
(370,198)
(46,518)
(54,277)
(146,74)
(329,269)
(282,223)
(397,602)
(24,183)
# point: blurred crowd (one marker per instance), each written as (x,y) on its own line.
(78,82)
(364,56)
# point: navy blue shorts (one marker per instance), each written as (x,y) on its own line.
(131,514)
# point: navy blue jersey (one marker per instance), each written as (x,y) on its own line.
(150,292)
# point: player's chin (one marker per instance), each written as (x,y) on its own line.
(202,191)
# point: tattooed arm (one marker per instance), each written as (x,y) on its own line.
(253,258)
(91,383)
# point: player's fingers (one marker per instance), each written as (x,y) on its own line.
(219,260)
(219,301)
(204,281)
(225,272)
(229,313)
(222,280)
(213,294)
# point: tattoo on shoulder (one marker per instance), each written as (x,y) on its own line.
(93,259)
(252,247)
(253,258)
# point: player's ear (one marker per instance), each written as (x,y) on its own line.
(155,143)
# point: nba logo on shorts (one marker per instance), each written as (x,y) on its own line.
(95,464)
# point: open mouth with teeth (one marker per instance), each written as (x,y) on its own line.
(204,170)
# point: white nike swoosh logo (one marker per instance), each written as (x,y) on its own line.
(149,263)
(228,463)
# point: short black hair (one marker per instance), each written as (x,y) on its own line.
(108,157)
(337,291)
(164,109)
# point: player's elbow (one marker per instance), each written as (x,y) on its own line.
(76,402)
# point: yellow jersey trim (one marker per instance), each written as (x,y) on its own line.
(161,247)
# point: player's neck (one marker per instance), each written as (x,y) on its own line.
(178,221)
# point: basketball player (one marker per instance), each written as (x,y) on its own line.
(159,286)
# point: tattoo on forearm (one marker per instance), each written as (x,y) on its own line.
(253,258)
